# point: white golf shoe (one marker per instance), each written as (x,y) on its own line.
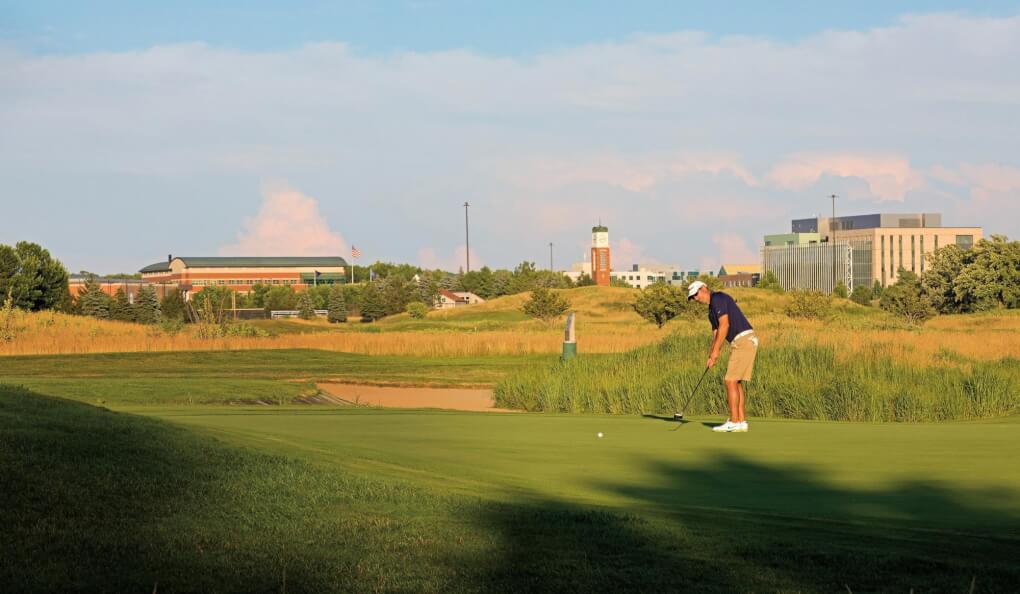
(741,427)
(727,427)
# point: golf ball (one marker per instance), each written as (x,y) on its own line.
(600,434)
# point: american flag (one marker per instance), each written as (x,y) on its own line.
(355,252)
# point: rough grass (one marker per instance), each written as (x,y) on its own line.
(605,324)
(793,379)
(336,502)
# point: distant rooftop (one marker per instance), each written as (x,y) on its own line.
(913,220)
(600,229)
(248,262)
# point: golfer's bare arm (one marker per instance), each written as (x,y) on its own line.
(718,336)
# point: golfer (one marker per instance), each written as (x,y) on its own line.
(729,324)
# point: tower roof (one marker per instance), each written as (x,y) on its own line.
(600,229)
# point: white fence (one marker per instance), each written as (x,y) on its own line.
(293,313)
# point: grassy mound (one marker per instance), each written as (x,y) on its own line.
(791,380)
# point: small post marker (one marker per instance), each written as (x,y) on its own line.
(569,340)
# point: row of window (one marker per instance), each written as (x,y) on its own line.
(245,282)
(917,252)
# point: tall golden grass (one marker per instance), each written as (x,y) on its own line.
(605,326)
(49,333)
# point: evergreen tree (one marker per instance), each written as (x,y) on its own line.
(121,309)
(92,301)
(372,305)
(337,306)
(876,290)
(172,306)
(147,306)
(428,290)
(305,305)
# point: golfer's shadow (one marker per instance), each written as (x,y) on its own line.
(670,419)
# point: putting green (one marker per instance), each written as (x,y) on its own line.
(958,477)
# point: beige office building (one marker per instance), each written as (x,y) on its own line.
(881,244)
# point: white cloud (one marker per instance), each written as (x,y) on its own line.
(734,249)
(670,138)
(430,258)
(288,223)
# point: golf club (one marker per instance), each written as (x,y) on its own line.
(679,416)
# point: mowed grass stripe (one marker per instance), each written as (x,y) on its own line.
(104,501)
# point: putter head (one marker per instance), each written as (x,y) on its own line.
(678,416)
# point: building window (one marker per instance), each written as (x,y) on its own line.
(882,256)
(936,242)
(965,241)
(901,251)
(913,254)
(922,254)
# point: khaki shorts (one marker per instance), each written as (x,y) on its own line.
(742,353)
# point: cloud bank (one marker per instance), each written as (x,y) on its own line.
(288,223)
(674,140)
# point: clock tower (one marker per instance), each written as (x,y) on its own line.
(600,255)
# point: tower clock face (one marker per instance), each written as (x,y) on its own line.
(600,240)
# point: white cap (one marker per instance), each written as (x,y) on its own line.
(693,288)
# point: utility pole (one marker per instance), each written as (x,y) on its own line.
(832,238)
(550,257)
(467,239)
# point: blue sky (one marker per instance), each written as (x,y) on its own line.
(514,28)
(132,130)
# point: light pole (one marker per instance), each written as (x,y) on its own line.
(832,238)
(550,256)
(467,239)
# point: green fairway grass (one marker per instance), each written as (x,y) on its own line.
(326,500)
(275,377)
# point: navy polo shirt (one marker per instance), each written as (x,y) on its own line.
(720,304)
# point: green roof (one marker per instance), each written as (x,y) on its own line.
(600,229)
(251,262)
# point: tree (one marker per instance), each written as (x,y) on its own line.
(660,303)
(7,314)
(428,290)
(172,306)
(280,297)
(992,279)
(619,281)
(305,306)
(92,301)
(861,295)
(906,300)
(258,294)
(545,305)
(147,306)
(840,290)
(337,305)
(212,303)
(372,305)
(121,309)
(585,280)
(417,310)
(939,279)
(32,277)
(502,283)
(396,292)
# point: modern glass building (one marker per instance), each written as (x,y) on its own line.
(880,245)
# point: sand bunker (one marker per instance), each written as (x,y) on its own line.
(394,397)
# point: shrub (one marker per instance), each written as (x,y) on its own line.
(840,291)
(906,300)
(171,326)
(861,295)
(7,318)
(770,282)
(876,290)
(809,305)
(417,310)
(545,305)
